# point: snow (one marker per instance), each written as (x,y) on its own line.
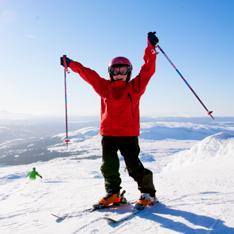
(193,174)
(219,145)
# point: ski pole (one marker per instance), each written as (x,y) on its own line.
(65,92)
(208,112)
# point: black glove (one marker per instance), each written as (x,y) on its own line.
(67,61)
(152,38)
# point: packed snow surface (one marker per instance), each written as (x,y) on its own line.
(193,174)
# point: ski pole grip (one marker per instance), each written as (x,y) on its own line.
(65,63)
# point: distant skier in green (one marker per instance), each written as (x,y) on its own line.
(33,174)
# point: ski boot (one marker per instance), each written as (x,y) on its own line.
(145,200)
(111,199)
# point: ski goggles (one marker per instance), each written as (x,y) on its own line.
(119,70)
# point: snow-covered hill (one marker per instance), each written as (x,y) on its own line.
(219,145)
(194,179)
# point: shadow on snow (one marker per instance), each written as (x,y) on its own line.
(206,224)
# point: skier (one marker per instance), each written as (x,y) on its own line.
(120,121)
(33,174)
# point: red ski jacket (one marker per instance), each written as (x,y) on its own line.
(119,99)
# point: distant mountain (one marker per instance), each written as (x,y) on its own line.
(5,115)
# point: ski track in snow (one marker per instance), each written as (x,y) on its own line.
(194,179)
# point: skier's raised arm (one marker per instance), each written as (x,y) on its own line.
(148,68)
(92,77)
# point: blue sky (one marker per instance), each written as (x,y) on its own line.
(197,35)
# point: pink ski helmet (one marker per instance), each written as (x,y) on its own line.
(120,61)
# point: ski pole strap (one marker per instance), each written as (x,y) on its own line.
(173,65)
(123,192)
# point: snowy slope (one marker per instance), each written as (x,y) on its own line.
(219,145)
(194,181)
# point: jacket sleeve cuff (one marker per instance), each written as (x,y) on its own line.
(150,45)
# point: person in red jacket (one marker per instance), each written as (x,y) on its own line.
(120,121)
